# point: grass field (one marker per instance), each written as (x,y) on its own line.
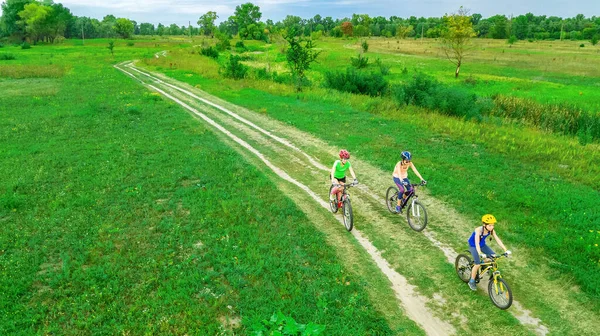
(122,215)
(544,185)
(123,195)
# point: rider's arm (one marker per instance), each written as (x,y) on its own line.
(396,172)
(499,241)
(352,172)
(333,173)
(416,171)
(477,239)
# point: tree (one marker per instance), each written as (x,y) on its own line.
(347,28)
(594,39)
(146,28)
(456,37)
(511,40)
(299,57)
(124,27)
(246,15)
(34,16)
(404,31)
(207,23)
(10,16)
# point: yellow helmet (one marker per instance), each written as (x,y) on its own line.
(488,219)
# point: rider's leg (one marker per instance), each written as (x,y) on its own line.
(476,267)
(409,189)
(401,190)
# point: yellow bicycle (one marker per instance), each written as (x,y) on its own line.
(498,289)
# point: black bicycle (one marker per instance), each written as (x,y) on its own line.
(343,203)
(415,211)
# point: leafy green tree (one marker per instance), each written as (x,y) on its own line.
(146,29)
(457,37)
(404,31)
(499,26)
(512,39)
(111,47)
(10,16)
(207,23)
(246,15)
(299,55)
(34,16)
(594,39)
(160,29)
(124,27)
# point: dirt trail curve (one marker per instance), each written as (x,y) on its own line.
(274,151)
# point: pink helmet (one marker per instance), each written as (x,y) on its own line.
(344,154)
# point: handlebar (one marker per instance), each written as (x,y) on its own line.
(346,185)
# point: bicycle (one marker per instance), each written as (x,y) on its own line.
(498,289)
(416,214)
(343,203)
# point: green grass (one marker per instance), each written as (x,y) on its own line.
(121,214)
(543,186)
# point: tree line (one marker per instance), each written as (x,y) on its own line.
(45,20)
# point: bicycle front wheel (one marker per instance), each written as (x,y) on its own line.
(416,216)
(463,266)
(332,204)
(391,199)
(500,293)
(347,215)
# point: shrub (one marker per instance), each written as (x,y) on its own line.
(7,57)
(240,44)
(280,324)
(595,39)
(1,45)
(354,81)
(316,35)
(130,44)
(209,52)
(581,45)
(223,45)
(359,62)
(365,46)
(25,45)
(427,92)
(234,68)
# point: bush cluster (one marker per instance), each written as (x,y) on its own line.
(25,45)
(211,52)
(359,62)
(233,68)
(353,81)
(425,91)
(7,57)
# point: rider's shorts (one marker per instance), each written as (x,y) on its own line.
(484,249)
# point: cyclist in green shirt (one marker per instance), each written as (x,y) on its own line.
(338,173)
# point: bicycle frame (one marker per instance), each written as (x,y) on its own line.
(492,266)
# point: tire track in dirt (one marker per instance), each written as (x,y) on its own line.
(522,314)
(413,303)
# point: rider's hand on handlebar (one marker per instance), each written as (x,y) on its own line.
(482,256)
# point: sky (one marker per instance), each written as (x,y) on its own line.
(181,12)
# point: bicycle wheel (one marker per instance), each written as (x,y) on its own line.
(416,216)
(347,215)
(500,293)
(463,266)
(332,204)
(391,199)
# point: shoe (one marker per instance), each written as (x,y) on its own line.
(472,285)
(331,198)
(398,209)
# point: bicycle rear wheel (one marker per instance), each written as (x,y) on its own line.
(500,293)
(463,266)
(416,216)
(347,215)
(391,199)
(332,204)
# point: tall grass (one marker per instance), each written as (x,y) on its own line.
(353,81)
(561,118)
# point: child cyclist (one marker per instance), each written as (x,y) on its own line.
(338,173)
(479,250)
(400,176)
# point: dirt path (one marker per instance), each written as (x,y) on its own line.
(276,141)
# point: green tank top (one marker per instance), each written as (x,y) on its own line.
(340,170)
